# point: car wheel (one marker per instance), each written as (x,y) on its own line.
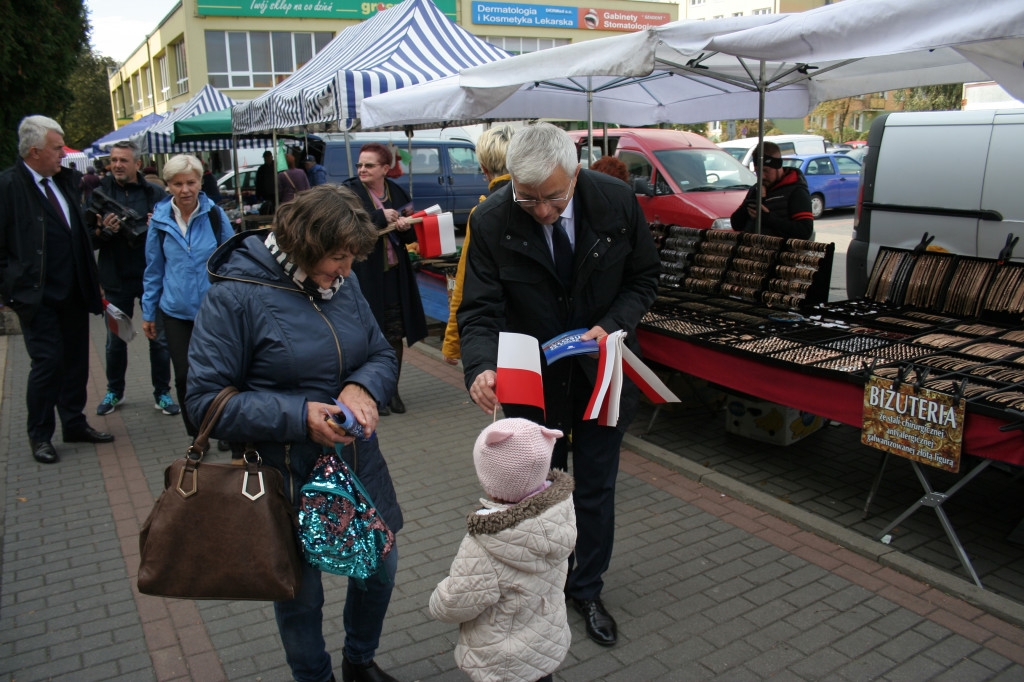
(817,205)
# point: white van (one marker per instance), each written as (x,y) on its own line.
(953,174)
(743,149)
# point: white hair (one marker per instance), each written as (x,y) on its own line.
(536,149)
(32,133)
(182,163)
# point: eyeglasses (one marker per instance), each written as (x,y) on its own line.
(367,165)
(772,162)
(530,203)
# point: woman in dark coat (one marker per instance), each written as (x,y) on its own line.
(285,324)
(386,276)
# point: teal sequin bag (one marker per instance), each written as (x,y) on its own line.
(340,530)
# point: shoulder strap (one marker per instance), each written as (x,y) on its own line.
(215,223)
(213,412)
(289,179)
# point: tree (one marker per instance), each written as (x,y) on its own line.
(87,117)
(40,42)
(837,110)
(947,97)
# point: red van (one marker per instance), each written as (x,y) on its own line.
(679,178)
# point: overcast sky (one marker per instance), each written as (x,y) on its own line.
(119,26)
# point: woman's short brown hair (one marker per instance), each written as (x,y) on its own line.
(382,152)
(609,165)
(322,220)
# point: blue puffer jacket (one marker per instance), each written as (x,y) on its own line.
(257,331)
(175,277)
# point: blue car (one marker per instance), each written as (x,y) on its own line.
(832,179)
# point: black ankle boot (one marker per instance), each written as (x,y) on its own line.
(363,672)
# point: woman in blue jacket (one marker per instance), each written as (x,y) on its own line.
(286,325)
(184,231)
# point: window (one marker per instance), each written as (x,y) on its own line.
(515,45)
(140,99)
(463,161)
(763,10)
(736,14)
(147,86)
(180,67)
(258,59)
(165,78)
(821,166)
(847,166)
(696,2)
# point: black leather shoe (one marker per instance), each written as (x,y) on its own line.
(363,672)
(43,452)
(87,435)
(600,625)
(383,410)
(397,406)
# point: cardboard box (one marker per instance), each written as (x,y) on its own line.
(768,422)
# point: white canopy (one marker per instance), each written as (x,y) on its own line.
(721,68)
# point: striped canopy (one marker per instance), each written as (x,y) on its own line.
(412,42)
(126,131)
(158,139)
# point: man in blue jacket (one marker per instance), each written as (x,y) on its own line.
(49,279)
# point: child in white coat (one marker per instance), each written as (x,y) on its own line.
(506,584)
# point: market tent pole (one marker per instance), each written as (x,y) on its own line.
(238,175)
(761,86)
(348,153)
(277,192)
(590,115)
(408,135)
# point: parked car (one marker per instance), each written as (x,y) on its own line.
(857,154)
(680,178)
(832,179)
(743,149)
(226,183)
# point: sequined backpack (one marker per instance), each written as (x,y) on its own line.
(340,530)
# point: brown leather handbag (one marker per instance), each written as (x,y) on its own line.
(220,531)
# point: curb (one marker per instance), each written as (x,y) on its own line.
(1001,607)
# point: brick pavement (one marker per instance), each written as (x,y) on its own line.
(709,580)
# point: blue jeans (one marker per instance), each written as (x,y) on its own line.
(300,622)
(117,350)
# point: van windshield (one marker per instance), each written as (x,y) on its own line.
(705,170)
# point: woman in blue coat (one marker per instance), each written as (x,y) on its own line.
(285,324)
(184,231)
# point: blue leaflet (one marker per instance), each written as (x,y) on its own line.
(568,344)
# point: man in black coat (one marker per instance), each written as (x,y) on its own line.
(557,249)
(122,262)
(785,201)
(49,279)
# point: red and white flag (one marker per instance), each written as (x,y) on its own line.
(615,360)
(519,379)
(436,235)
(431,210)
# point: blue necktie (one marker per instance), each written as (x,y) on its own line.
(562,253)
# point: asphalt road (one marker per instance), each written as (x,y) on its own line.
(836,226)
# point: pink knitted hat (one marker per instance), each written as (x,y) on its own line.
(513,457)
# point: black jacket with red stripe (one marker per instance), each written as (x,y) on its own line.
(789,209)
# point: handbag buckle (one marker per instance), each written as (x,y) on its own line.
(245,486)
(181,479)
(252,462)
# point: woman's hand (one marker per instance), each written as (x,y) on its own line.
(149,329)
(363,406)
(391,215)
(321,428)
(402,224)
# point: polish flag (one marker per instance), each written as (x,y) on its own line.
(433,210)
(436,235)
(519,380)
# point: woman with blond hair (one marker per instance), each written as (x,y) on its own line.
(490,152)
(184,231)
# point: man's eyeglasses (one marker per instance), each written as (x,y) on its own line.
(530,203)
(367,165)
(773,162)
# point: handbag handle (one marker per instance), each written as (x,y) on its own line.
(202,442)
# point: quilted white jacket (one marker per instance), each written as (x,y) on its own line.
(506,587)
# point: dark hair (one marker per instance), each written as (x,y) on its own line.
(609,165)
(382,152)
(770,149)
(149,170)
(322,220)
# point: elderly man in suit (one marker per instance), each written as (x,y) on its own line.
(49,279)
(561,248)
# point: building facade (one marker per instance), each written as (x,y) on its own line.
(244,47)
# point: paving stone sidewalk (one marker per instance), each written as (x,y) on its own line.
(705,585)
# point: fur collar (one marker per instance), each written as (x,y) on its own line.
(561,488)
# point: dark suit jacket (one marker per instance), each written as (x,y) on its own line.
(25,215)
(511,284)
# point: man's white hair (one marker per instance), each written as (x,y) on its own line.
(536,149)
(32,133)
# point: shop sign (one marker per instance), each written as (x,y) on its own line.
(916,423)
(311,9)
(557,16)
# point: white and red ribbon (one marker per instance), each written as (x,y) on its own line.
(614,360)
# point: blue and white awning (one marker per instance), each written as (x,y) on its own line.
(126,131)
(158,139)
(412,42)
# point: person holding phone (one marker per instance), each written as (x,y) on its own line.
(785,201)
(286,324)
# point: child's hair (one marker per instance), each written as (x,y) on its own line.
(513,457)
